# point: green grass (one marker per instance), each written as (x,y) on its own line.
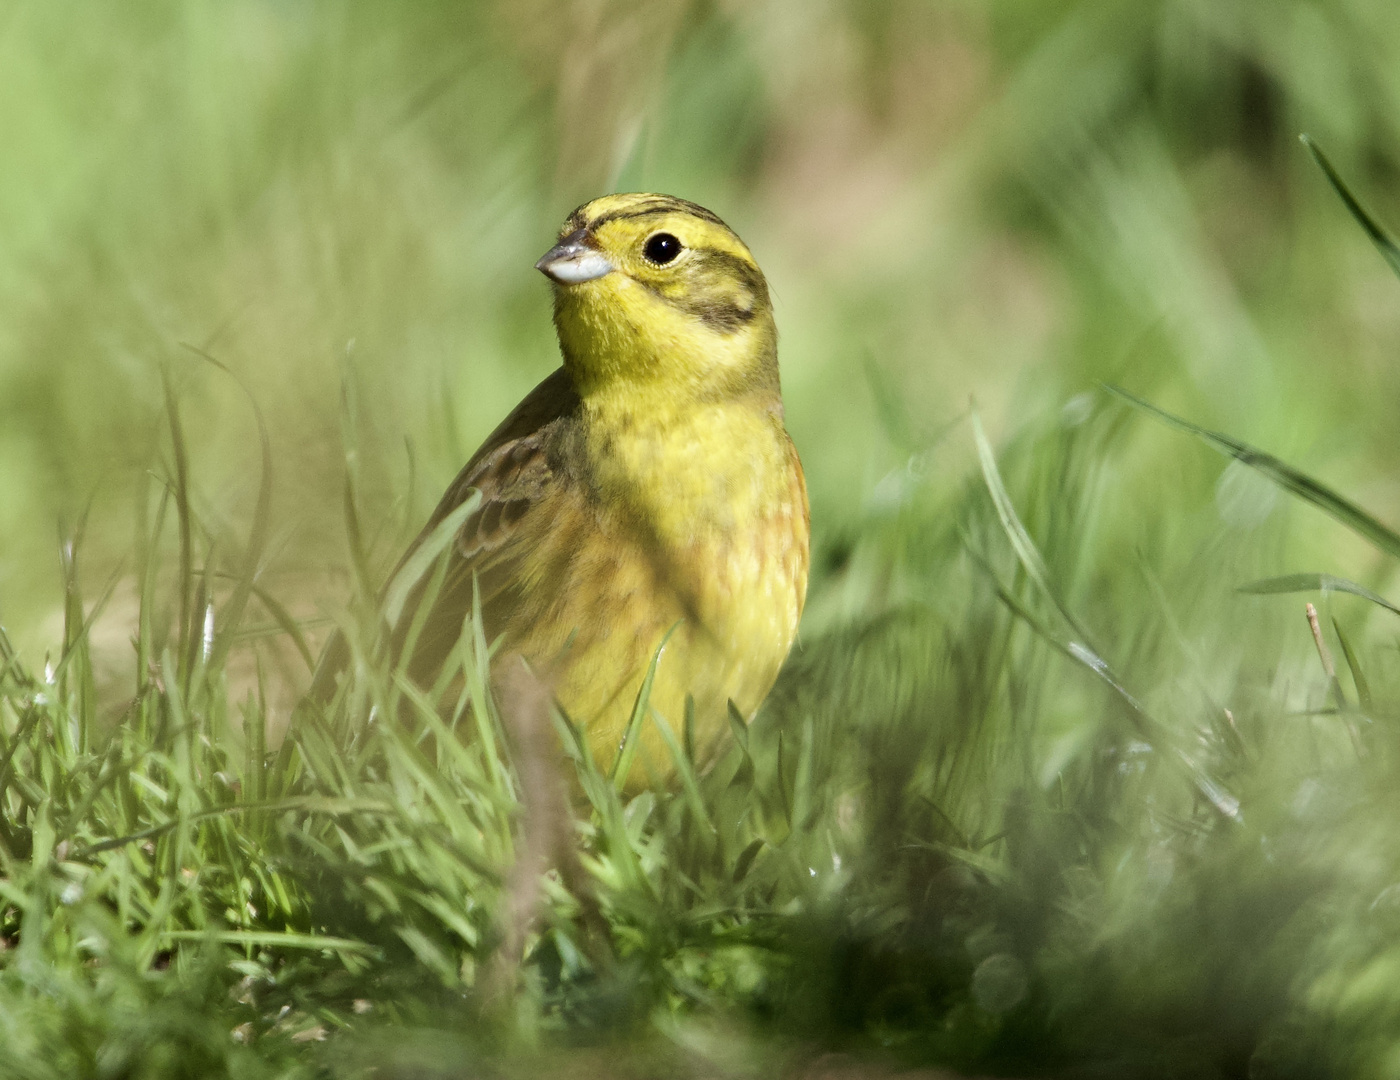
(979,830)
(1061,780)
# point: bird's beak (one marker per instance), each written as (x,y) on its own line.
(574,259)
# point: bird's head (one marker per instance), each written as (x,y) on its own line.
(654,290)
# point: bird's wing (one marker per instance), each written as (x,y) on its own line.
(517,478)
(513,472)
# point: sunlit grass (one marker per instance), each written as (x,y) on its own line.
(978,830)
(1062,777)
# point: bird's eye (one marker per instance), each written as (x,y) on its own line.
(661,248)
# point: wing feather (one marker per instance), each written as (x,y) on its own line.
(517,473)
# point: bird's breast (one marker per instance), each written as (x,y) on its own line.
(694,474)
(713,504)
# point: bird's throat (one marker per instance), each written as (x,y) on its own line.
(694,468)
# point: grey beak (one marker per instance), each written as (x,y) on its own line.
(574,259)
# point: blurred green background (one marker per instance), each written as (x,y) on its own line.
(997,201)
(1004,201)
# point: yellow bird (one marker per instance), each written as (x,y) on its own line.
(646,487)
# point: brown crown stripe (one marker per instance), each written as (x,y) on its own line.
(662,205)
(659,207)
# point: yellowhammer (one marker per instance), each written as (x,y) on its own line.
(646,487)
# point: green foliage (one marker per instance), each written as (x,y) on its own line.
(955,833)
(1064,775)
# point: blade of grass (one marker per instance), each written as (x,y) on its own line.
(1329,667)
(83,630)
(1026,551)
(289,625)
(417,562)
(421,611)
(1379,235)
(185,585)
(146,644)
(744,774)
(257,533)
(1358,677)
(690,783)
(255,741)
(1282,474)
(315,804)
(1148,726)
(271,939)
(1324,583)
(476,669)
(631,737)
(688,729)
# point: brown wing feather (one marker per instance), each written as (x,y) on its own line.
(552,400)
(514,471)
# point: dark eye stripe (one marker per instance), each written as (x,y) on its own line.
(718,313)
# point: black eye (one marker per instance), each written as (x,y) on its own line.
(661,248)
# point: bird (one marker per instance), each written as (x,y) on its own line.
(643,508)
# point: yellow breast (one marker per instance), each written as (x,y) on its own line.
(700,523)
